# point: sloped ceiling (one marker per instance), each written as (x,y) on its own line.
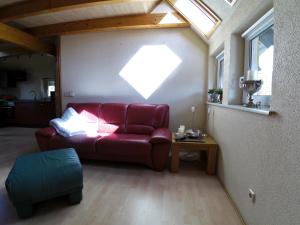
(96,11)
(118,8)
(33,19)
(9,2)
(220,7)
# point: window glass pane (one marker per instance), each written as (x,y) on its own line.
(48,86)
(262,49)
(196,15)
(220,69)
(50,89)
(221,73)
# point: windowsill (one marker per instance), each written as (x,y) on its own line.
(263,111)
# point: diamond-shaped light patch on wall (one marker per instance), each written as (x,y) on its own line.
(149,68)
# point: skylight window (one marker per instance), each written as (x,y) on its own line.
(198,14)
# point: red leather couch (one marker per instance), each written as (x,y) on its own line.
(127,132)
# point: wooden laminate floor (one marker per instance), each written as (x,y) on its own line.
(121,194)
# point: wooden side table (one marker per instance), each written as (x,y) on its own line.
(208,145)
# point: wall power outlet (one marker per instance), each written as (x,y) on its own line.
(252,195)
(69,94)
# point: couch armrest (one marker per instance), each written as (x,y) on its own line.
(46,132)
(161,135)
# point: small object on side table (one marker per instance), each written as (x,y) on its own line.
(195,134)
(206,143)
(179,136)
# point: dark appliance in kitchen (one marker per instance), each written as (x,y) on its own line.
(7,112)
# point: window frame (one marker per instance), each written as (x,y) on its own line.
(45,86)
(261,25)
(205,10)
(219,58)
(210,14)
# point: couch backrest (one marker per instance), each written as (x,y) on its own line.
(144,118)
(88,110)
(113,114)
(132,118)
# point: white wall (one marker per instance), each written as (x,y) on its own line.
(37,67)
(257,151)
(91,63)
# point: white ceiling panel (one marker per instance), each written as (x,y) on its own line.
(100,11)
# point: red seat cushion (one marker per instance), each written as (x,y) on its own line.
(83,144)
(125,147)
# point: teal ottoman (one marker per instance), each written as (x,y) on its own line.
(40,176)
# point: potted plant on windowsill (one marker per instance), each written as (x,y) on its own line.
(215,95)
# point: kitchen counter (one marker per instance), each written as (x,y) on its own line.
(28,112)
(31,100)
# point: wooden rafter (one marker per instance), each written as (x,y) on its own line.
(23,39)
(108,24)
(37,7)
(155,6)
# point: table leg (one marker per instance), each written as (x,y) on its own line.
(175,160)
(211,160)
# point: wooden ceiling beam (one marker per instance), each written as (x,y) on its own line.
(23,39)
(37,7)
(108,24)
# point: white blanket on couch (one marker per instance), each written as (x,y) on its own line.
(70,124)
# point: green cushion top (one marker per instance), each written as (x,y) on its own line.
(43,175)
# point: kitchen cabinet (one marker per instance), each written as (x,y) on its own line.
(9,79)
(34,113)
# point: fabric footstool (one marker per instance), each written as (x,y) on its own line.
(40,176)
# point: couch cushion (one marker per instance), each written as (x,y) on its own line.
(83,144)
(112,118)
(125,147)
(144,118)
(161,116)
(90,111)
